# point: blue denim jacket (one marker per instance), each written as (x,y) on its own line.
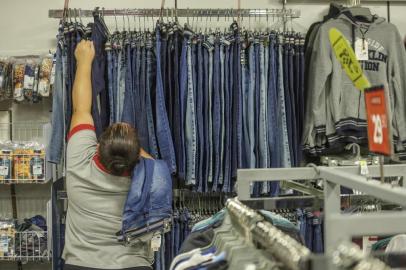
(150,196)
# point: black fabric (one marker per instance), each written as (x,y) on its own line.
(221,265)
(198,239)
(75,267)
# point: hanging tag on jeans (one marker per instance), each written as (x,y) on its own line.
(156,242)
(361,49)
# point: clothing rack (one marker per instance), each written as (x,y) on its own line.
(340,227)
(288,251)
(185,12)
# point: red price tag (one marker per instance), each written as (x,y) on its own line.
(379,138)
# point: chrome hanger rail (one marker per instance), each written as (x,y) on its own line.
(172,12)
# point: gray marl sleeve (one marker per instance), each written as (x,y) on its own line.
(82,146)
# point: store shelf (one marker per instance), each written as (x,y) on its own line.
(27,247)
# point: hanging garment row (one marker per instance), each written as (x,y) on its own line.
(206,102)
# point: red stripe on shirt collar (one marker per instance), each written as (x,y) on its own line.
(80,127)
(96,159)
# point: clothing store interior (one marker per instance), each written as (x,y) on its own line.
(186,134)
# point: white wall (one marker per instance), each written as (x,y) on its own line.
(26,29)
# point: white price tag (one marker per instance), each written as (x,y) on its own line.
(3,170)
(156,242)
(37,170)
(361,49)
(28,82)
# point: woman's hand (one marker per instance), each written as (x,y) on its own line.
(84,52)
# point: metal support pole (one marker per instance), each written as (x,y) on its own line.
(332,204)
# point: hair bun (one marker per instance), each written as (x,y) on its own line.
(118,166)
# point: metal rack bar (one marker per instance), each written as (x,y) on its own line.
(185,12)
(246,176)
(340,227)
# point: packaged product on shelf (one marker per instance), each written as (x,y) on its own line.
(6,164)
(28,161)
(37,164)
(19,72)
(30,85)
(7,237)
(45,72)
(5,79)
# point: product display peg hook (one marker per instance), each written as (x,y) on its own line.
(115,18)
(128,19)
(80,16)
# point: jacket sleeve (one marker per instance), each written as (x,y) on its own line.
(316,106)
(397,75)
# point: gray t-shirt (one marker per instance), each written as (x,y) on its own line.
(95,206)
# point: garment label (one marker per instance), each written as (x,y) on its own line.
(361,49)
(37,170)
(156,242)
(52,79)
(3,170)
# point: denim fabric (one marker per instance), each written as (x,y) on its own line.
(206,114)
(292,94)
(282,121)
(245,149)
(222,119)
(100,108)
(251,108)
(110,79)
(56,144)
(288,101)
(228,119)
(301,112)
(150,88)
(128,115)
(150,196)
(216,114)
(190,122)
(317,236)
(183,88)
(120,84)
(210,108)
(237,160)
(274,132)
(309,230)
(200,120)
(262,117)
(175,83)
(163,133)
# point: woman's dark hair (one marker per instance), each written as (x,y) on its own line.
(119,149)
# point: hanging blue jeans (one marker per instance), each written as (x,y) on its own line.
(201,149)
(216,113)
(273,115)
(282,125)
(183,86)
(163,133)
(190,122)
(149,94)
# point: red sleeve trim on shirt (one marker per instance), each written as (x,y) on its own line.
(80,127)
